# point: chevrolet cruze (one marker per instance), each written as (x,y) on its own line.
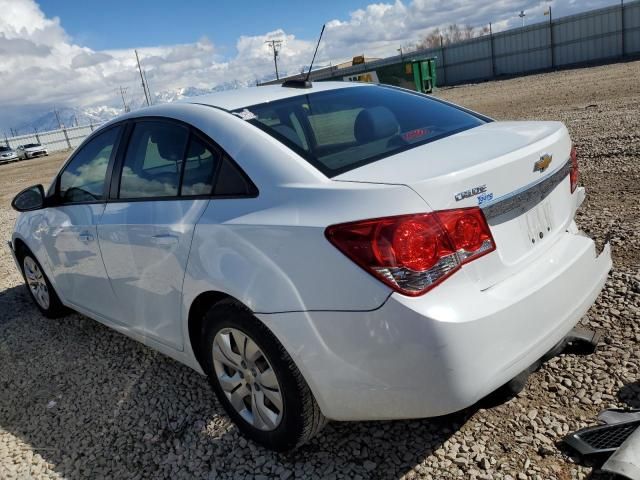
(336,251)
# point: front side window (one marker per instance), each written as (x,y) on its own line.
(342,129)
(153,161)
(83,179)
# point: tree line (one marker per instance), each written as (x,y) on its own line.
(454,33)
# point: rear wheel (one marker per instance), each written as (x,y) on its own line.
(256,381)
(40,287)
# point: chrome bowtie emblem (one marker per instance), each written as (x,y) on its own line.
(542,164)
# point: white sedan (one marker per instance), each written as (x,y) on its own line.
(31,150)
(7,154)
(342,251)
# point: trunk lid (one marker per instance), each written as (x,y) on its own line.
(504,168)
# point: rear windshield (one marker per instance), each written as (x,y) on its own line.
(339,130)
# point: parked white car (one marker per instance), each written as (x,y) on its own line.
(7,154)
(31,150)
(343,252)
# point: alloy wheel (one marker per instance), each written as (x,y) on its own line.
(37,283)
(247,379)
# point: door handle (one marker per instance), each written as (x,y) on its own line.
(165,239)
(86,237)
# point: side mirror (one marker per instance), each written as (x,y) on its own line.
(31,198)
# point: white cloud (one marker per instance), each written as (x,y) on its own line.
(42,67)
(89,59)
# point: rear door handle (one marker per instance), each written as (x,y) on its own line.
(165,239)
(86,237)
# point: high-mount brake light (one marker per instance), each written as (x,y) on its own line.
(413,253)
(574,174)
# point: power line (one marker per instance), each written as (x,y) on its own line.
(275,46)
(123,92)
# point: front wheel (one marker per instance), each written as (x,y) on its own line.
(40,288)
(256,381)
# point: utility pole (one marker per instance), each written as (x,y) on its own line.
(444,61)
(622,27)
(123,92)
(275,46)
(146,82)
(55,111)
(400,50)
(144,86)
(551,45)
(493,57)
(522,15)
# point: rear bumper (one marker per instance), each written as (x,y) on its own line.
(440,353)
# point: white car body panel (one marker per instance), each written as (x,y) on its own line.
(436,354)
(365,351)
(66,240)
(145,246)
(471,158)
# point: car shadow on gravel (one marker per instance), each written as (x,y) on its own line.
(89,402)
(630,394)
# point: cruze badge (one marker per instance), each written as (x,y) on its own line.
(542,164)
(471,192)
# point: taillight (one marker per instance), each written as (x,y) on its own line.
(413,253)
(574,174)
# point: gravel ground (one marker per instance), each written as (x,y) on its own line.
(80,401)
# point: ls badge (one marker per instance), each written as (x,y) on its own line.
(542,164)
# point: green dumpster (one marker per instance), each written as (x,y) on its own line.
(424,75)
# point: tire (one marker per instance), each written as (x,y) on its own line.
(278,425)
(39,286)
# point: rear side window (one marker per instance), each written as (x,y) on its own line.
(153,161)
(165,160)
(339,130)
(199,169)
(232,182)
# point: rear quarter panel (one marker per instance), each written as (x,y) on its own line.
(271,253)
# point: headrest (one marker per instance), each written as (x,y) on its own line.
(374,124)
(196,149)
(289,133)
(170,146)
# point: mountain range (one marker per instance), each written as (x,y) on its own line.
(72,116)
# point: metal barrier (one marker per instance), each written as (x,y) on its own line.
(598,35)
(54,140)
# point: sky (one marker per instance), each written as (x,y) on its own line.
(77,53)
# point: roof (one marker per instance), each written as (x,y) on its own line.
(244,97)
